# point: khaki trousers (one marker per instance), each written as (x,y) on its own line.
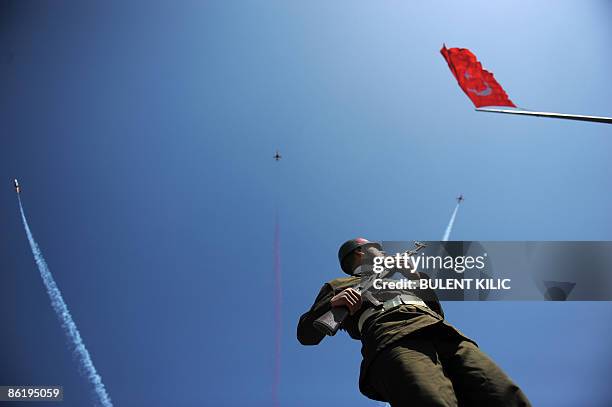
(434,367)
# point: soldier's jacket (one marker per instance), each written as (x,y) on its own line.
(380,330)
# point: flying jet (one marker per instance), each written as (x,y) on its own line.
(460,198)
(16,184)
(277,156)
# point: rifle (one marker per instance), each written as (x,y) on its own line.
(330,322)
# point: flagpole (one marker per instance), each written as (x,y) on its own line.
(597,119)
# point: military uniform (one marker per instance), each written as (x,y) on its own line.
(413,357)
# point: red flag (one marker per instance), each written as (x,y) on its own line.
(477,83)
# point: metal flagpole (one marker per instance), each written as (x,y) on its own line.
(597,119)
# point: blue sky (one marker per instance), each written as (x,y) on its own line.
(143,135)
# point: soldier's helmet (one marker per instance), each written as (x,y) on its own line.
(349,246)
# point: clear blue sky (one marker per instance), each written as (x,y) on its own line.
(143,135)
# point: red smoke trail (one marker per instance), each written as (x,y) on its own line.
(277,313)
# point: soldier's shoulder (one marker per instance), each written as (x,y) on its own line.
(343,282)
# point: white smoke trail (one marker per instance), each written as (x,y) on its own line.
(449,228)
(61,309)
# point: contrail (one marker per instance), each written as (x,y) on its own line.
(61,309)
(449,228)
(277,313)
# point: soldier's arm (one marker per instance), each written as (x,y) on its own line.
(307,334)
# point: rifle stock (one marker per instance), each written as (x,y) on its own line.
(330,322)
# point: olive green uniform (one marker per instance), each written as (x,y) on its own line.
(413,357)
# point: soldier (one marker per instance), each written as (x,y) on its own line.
(411,355)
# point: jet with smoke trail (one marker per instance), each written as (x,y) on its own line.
(451,223)
(61,309)
(278,295)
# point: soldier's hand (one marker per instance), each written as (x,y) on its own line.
(348,298)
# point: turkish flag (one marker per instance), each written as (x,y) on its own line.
(477,83)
